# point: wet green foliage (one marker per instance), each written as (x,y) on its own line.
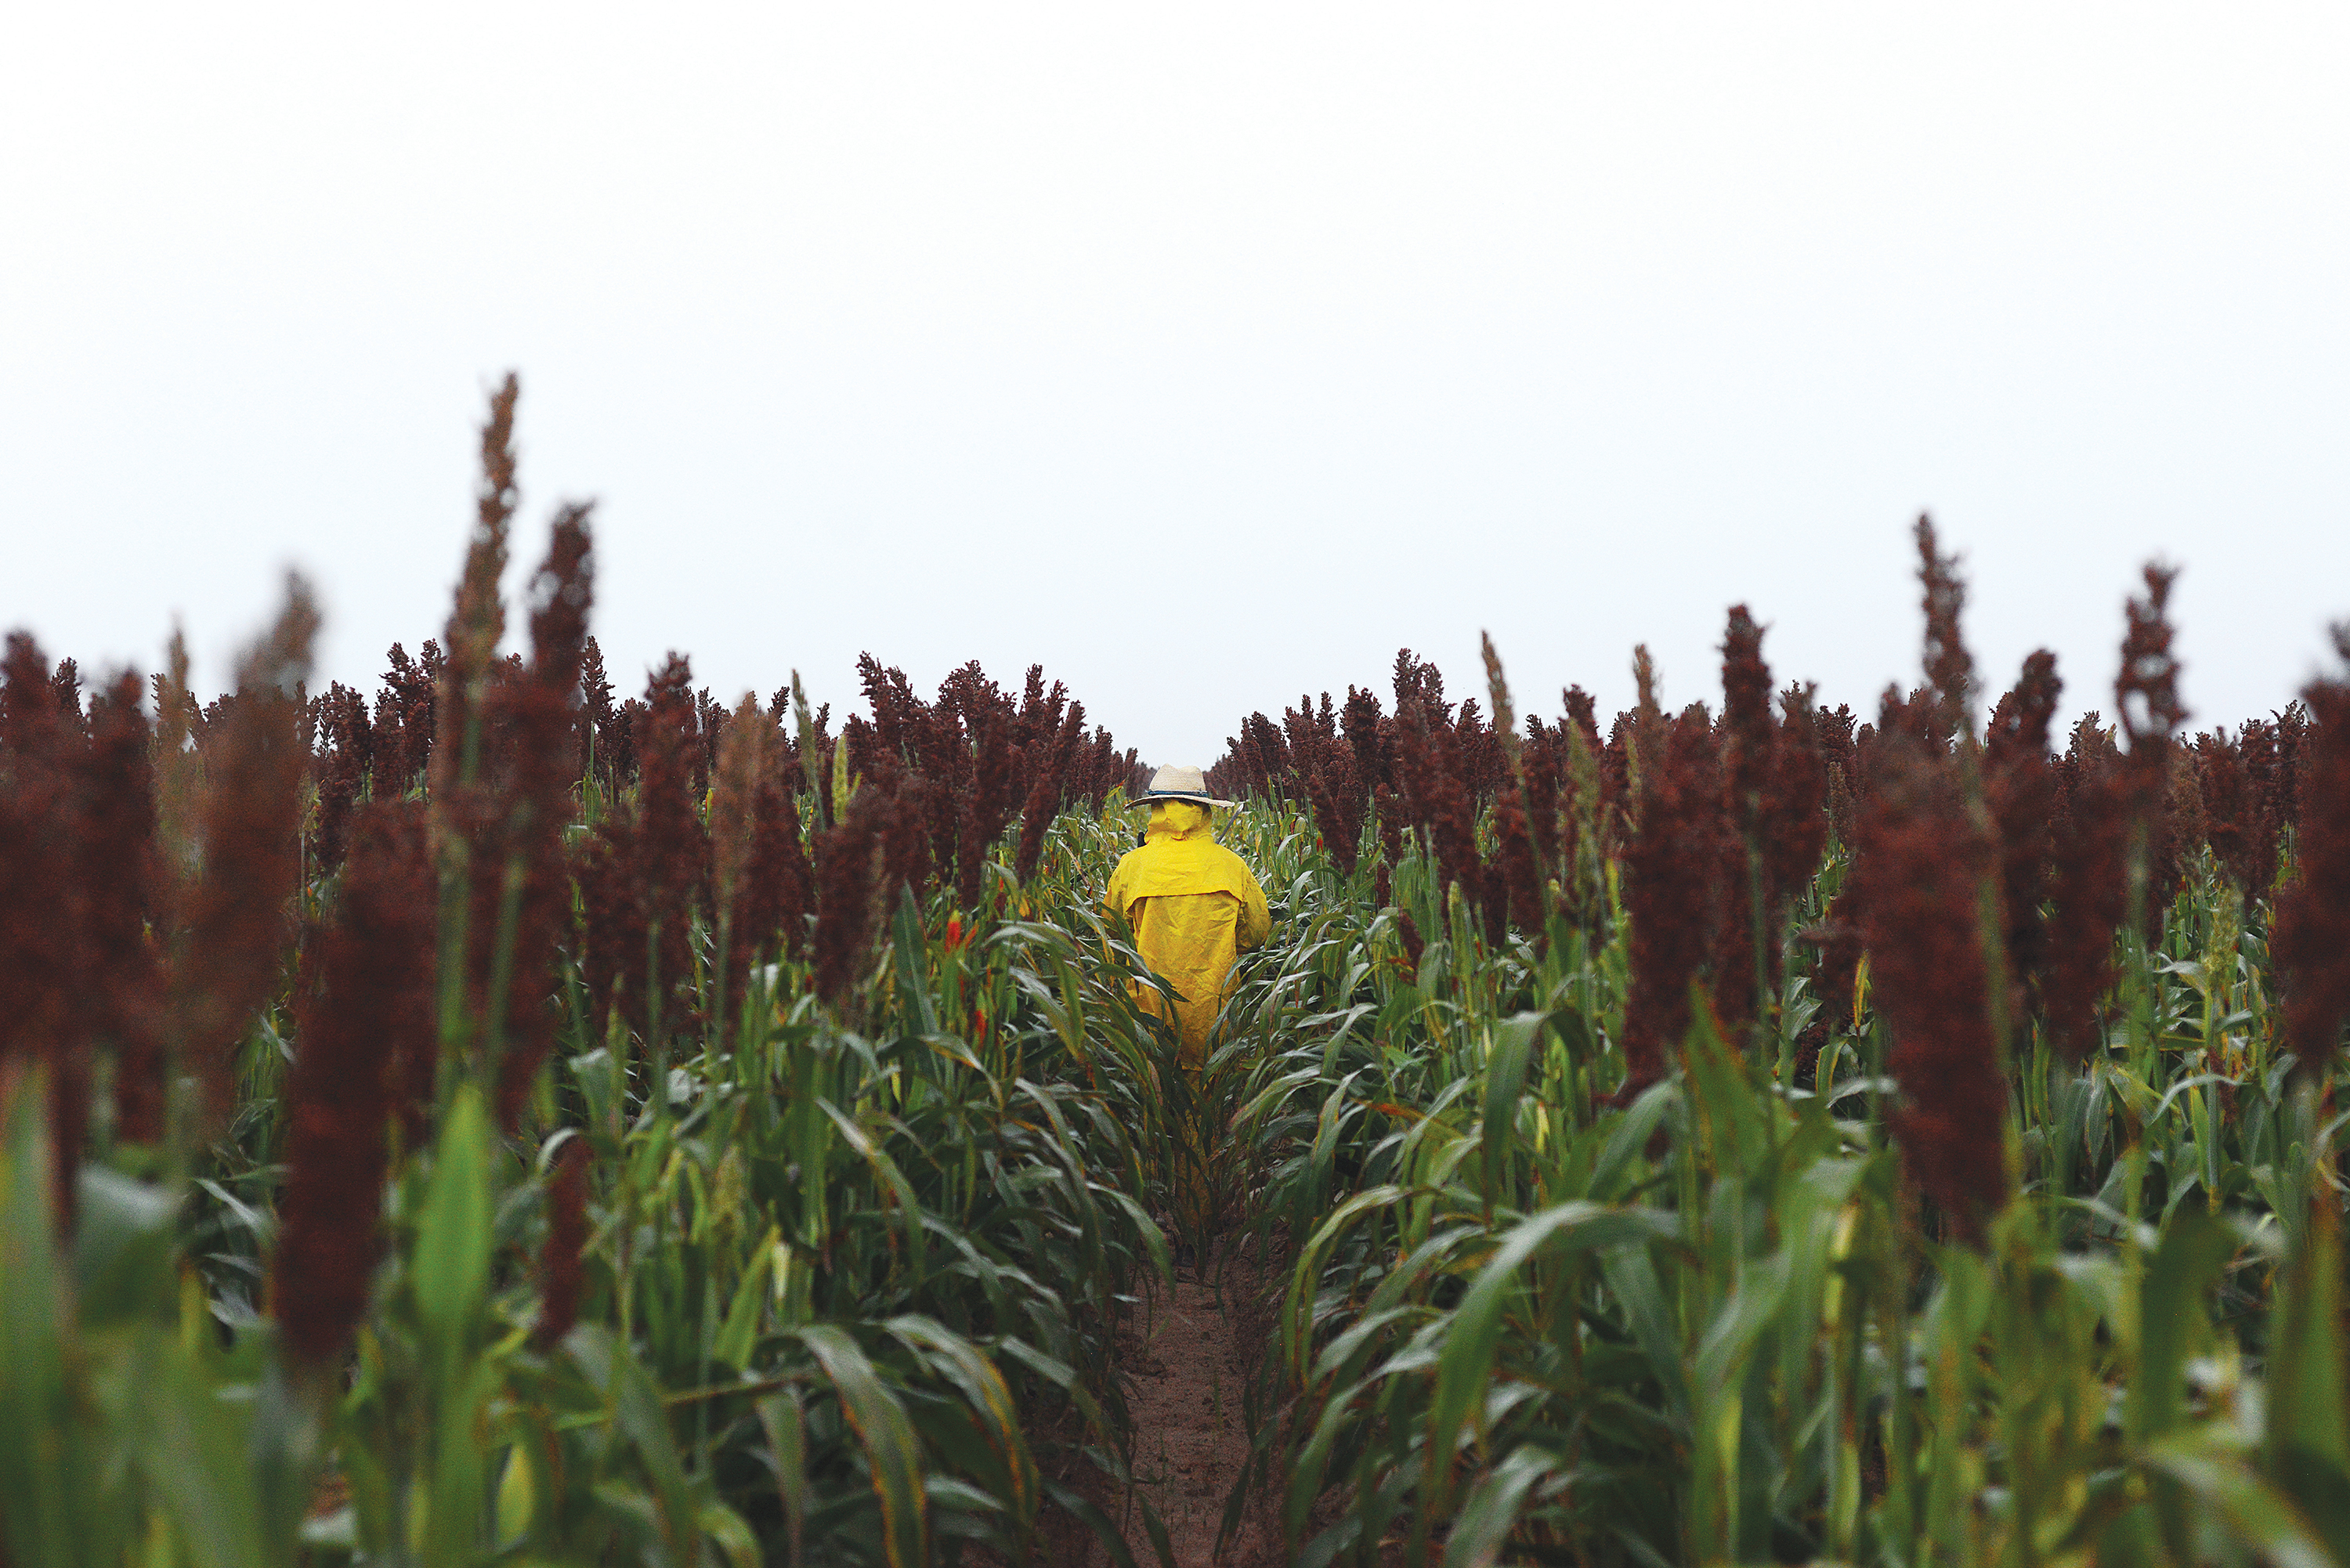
(1527,1322)
(845,1296)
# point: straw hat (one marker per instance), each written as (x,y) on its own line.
(1178,784)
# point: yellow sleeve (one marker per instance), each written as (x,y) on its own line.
(1256,920)
(1114,896)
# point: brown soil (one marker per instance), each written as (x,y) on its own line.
(1187,1357)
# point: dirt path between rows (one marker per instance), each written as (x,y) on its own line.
(1187,1357)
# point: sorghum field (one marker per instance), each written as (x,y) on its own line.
(492,1122)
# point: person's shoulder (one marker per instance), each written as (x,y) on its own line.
(1233,861)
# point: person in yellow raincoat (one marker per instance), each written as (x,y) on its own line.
(1193,907)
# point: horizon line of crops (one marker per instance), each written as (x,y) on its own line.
(1772,1138)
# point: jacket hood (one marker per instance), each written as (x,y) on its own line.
(1178,819)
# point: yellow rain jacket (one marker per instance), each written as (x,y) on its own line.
(1193,906)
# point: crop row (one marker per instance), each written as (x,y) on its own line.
(495,1122)
(488,1120)
(1764,1137)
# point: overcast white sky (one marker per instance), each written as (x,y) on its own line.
(1205,353)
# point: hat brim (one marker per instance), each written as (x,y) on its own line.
(1143,800)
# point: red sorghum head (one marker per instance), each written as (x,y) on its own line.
(595,703)
(743,763)
(1749,743)
(2020,793)
(2234,821)
(342,774)
(1671,870)
(361,1033)
(1359,721)
(1050,787)
(121,981)
(1919,866)
(1949,668)
(987,802)
(778,889)
(478,619)
(236,913)
(673,849)
(847,871)
(1330,789)
(42,899)
(2310,945)
(1793,826)
(515,812)
(2088,888)
(562,1258)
